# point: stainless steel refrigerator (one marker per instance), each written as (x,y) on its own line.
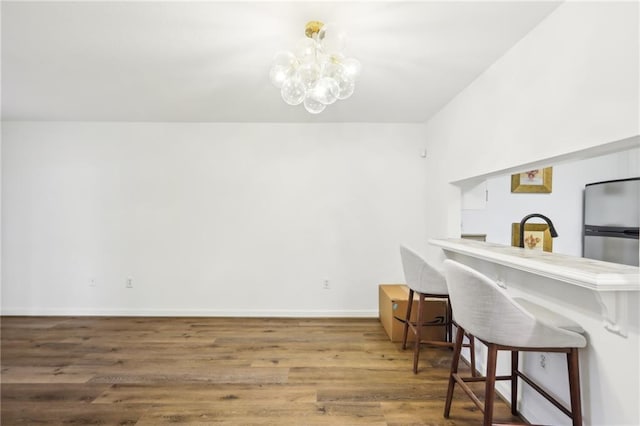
(611,221)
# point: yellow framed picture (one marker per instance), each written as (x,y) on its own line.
(532,181)
(536,236)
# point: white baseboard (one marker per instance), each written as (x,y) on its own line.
(275,313)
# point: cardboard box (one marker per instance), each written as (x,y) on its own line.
(393,300)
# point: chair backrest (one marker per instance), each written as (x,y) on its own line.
(485,310)
(420,276)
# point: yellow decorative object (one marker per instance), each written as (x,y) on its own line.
(533,181)
(536,236)
(312,28)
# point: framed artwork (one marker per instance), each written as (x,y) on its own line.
(536,236)
(535,181)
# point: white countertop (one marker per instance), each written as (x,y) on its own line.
(593,274)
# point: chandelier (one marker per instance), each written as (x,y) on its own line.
(318,73)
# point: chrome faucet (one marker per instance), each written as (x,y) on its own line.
(524,220)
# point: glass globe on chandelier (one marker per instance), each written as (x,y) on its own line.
(318,73)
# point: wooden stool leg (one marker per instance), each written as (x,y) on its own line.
(407,319)
(489,396)
(574,386)
(514,383)
(454,370)
(449,321)
(419,321)
(472,354)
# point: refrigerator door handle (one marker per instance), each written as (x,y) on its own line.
(633,233)
(611,231)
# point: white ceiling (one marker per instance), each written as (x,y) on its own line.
(209,61)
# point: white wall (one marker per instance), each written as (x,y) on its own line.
(570,85)
(564,205)
(212,219)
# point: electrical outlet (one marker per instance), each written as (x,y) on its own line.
(543,361)
(326,285)
(92,282)
(129,282)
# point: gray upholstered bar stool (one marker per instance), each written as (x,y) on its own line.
(426,281)
(501,323)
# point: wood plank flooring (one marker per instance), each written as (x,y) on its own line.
(223,371)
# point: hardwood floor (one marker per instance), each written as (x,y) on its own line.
(234,371)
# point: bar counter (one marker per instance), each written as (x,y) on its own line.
(592,274)
(603,297)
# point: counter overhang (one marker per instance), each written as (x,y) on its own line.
(611,282)
(592,274)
